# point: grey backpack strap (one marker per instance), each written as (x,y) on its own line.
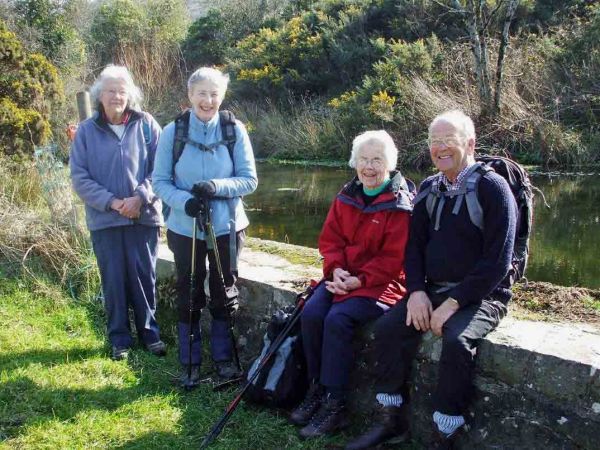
(473,205)
(438,215)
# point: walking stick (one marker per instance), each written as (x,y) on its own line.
(301,299)
(211,243)
(189,384)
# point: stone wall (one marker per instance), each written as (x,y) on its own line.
(537,384)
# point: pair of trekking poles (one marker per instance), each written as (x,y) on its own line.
(229,295)
(301,300)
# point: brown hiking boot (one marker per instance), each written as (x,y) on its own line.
(331,417)
(391,427)
(309,406)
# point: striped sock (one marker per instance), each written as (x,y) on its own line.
(389,399)
(447,424)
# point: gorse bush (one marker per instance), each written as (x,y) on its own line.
(30,91)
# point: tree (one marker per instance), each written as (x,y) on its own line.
(478,16)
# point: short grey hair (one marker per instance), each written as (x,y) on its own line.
(390,151)
(459,120)
(112,72)
(209,74)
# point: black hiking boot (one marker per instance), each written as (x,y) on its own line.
(331,417)
(189,379)
(227,370)
(157,348)
(309,406)
(391,427)
(442,441)
(119,353)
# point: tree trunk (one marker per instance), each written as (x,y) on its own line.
(510,13)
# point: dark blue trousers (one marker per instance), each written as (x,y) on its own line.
(126,258)
(396,344)
(327,332)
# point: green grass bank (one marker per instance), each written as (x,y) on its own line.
(60,390)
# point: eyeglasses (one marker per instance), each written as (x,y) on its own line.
(450,141)
(376,163)
(114,92)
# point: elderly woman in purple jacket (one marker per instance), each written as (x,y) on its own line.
(111,161)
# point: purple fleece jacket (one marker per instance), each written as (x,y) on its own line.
(104,167)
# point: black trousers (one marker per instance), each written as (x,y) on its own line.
(181,246)
(396,346)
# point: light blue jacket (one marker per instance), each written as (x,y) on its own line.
(196,165)
(104,167)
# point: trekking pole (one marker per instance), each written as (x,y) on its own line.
(189,384)
(211,242)
(301,299)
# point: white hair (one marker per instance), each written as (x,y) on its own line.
(220,79)
(459,120)
(112,72)
(375,136)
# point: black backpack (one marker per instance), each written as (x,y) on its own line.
(282,383)
(521,188)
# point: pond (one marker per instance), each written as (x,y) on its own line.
(292,201)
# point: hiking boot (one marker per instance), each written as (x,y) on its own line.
(331,417)
(120,353)
(189,379)
(157,348)
(391,427)
(309,406)
(442,441)
(227,370)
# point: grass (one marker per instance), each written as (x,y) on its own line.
(60,390)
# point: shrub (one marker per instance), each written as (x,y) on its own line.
(30,91)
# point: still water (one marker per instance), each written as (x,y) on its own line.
(291,203)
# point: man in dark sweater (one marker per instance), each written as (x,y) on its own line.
(458,285)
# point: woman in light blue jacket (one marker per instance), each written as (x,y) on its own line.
(111,162)
(204,167)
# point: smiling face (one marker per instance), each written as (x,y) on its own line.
(371,165)
(206,98)
(114,98)
(450,151)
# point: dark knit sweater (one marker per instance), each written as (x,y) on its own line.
(459,251)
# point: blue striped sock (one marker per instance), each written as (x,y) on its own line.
(447,424)
(389,399)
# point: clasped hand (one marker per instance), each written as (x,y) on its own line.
(128,207)
(343,282)
(420,313)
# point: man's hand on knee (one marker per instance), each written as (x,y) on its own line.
(442,314)
(418,310)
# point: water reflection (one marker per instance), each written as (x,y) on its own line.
(291,203)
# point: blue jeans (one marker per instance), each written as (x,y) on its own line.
(327,332)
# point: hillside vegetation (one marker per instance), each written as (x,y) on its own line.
(307,76)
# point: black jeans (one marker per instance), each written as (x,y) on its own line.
(396,346)
(181,246)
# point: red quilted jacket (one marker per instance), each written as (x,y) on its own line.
(368,240)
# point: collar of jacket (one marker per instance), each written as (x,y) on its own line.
(197,126)
(98,118)
(396,195)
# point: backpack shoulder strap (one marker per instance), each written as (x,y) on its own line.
(147,132)
(182,125)
(473,205)
(227,121)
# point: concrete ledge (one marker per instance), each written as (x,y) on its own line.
(537,384)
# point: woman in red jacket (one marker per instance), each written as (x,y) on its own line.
(362,242)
